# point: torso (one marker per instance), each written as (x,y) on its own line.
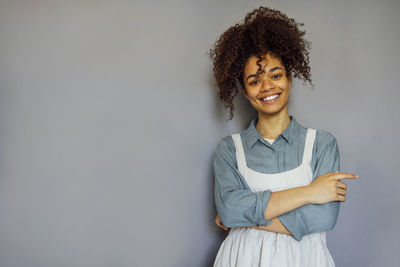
(245,246)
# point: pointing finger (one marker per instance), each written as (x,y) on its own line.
(345,175)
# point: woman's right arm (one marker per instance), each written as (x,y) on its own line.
(236,204)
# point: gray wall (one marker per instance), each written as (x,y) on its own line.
(109,120)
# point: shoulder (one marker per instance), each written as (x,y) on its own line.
(326,156)
(323,139)
(225,145)
(225,153)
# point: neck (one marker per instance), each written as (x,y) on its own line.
(270,126)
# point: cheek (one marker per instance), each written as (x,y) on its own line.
(286,86)
(249,93)
(287,92)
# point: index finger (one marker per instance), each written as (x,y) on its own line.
(345,175)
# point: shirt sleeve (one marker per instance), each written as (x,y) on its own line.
(236,204)
(313,218)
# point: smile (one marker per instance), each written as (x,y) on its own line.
(271,99)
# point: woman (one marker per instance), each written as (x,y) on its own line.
(277,183)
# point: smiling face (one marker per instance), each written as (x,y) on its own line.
(267,90)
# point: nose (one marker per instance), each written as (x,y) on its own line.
(266,85)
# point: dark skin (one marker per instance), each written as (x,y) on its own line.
(262,30)
(273,119)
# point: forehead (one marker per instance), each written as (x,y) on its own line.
(267,61)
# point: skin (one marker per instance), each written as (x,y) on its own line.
(273,119)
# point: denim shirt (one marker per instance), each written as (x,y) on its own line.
(238,206)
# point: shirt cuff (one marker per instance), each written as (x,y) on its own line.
(295,222)
(262,201)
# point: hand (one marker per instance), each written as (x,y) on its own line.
(219,223)
(328,187)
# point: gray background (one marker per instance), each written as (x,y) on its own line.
(109,121)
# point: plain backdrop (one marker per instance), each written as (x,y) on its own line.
(109,120)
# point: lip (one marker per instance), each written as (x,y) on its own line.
(270,101)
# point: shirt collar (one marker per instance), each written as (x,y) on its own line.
(251,135)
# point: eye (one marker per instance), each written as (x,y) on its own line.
(255,82)
(276,76)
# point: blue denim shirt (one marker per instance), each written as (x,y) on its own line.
(238,206)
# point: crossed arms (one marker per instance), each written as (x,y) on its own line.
(297,211)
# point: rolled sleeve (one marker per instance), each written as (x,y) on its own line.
(313,218)
(236,204)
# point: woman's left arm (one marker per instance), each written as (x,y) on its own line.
(313,218)
(275,226)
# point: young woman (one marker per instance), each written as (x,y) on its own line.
(277,183)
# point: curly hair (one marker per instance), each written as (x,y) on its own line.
(263,30)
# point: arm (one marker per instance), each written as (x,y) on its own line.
(275,226)
(282,202)
(313,218)
(237,205)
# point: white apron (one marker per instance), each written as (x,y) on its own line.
(248,247)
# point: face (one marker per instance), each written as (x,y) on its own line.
(267,91)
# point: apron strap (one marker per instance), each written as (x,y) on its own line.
(308,146)
(240,158)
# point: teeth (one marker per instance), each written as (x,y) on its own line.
(270,97)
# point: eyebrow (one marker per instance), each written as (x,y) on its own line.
(255,75)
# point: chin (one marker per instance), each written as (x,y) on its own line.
(270,112)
